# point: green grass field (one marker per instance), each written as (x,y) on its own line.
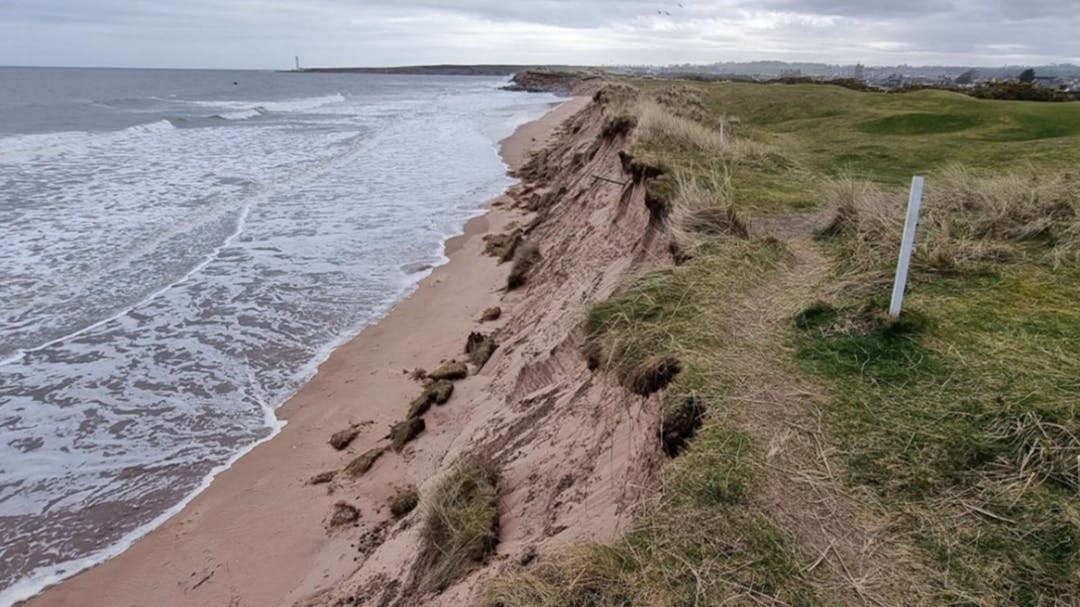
(813,132)
(953,433)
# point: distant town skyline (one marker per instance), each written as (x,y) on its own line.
(267,34)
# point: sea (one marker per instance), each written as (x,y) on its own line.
(180,250)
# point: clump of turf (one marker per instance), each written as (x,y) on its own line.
(680,423)
(322,478)
(436,393)
(344,514)
(628,335)
(461,522)
(418,374)
(491,314)
(363,463)
(502,246)
(816,315)
(618,125)
(404,502)
(653,374)
(341,439)
(480,348)
(402,433)
(451,370)
(527,256)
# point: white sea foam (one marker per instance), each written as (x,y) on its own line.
(288,105)
(242,114)
(167,288)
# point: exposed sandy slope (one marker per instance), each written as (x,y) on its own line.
(577,452)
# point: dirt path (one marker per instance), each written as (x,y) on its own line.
(852,561)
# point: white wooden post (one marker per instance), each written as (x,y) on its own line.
(907,245)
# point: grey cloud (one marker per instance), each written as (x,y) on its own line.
(580,31)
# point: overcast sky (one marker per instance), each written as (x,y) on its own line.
(267,33)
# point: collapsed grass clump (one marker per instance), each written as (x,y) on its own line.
(480,348)
(362,464)
(402,433)
(451,370)
(526,256)
(679,424)
(503,246)
(341,439)
(404,502)
(461,522)
(618,125)
(435,393)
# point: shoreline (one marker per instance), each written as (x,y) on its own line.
(244,490)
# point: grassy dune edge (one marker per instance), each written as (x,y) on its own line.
(825,454)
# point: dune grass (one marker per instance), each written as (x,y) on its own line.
(785,139)
(461,522)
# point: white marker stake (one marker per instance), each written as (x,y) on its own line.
(908,244)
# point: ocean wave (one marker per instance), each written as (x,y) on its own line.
(242,114)
(20,148)
(300,104)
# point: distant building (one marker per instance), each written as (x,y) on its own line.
(894,81)
(860,72)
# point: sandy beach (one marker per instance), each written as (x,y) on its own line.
(258,535)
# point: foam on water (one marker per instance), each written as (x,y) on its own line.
(165,289)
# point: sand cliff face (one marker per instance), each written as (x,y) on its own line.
(577,452)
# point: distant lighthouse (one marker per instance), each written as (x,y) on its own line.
(297,58)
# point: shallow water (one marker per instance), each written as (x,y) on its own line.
(177,255)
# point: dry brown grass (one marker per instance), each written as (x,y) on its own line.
(702,210)
(969,219)
(659,125)
(461,522)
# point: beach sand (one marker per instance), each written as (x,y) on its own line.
(258,534)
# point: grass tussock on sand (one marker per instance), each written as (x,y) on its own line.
(461,522)
(404,502)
